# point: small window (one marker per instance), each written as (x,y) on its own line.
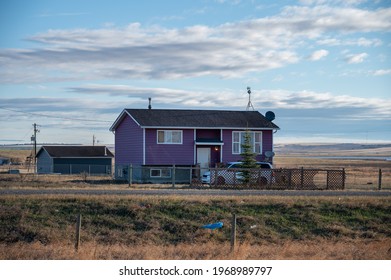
(166,173)
(120,172)
(160,173)
(169,136)
(156,173)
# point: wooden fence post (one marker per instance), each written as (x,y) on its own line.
(130,175)
(233,232)
(327,179)
(302,177)
(78,228)
(173,176)
(343,178)
(380,178)
(191,175)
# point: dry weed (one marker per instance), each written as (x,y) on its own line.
(354,249)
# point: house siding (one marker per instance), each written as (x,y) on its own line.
(267,141)
(128,143)
(80,165)
(44,163)
(47,164)
(84,161)
(169,154)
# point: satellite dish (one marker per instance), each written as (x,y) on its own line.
(270,115)
(269,154)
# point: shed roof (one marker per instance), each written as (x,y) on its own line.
(77,151)
(196,118)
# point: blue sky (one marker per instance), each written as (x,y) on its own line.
(323,66)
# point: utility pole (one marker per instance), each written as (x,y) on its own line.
(93,140)
(34,138)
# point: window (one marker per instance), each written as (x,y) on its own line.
(238,140)
(161,173)
(120,172)
(257,142)
(169,136)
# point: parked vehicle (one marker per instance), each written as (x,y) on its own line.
(232,173)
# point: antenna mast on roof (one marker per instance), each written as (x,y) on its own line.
(249,104)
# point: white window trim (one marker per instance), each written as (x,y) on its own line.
(169,143)
(240,141)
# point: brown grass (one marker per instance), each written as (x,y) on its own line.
(360,174)
(356,249)
(16,155)
(133,227)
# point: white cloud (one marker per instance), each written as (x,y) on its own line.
(228,50)
(319,54)
(356,58)
(348,106)
(67,119)
(333,2)
(360,42)
(341,19)
(382,72)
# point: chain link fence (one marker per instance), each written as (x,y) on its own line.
(156,174)
(73,169)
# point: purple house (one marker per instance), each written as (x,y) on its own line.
(155,137)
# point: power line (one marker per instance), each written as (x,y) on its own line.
(54,117)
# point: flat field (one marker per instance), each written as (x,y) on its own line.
(153,227)
(171,227)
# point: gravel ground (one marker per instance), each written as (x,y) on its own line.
(192,192)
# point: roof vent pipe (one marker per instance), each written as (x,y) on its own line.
(149,106)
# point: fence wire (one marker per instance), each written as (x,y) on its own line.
(282,178)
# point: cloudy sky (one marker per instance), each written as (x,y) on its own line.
(322,66)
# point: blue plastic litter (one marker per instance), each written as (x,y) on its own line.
(213,226)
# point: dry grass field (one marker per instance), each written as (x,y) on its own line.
(360,174)
(131,227)
(289,250)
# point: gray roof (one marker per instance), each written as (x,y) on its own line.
(77,151)
(197,119)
